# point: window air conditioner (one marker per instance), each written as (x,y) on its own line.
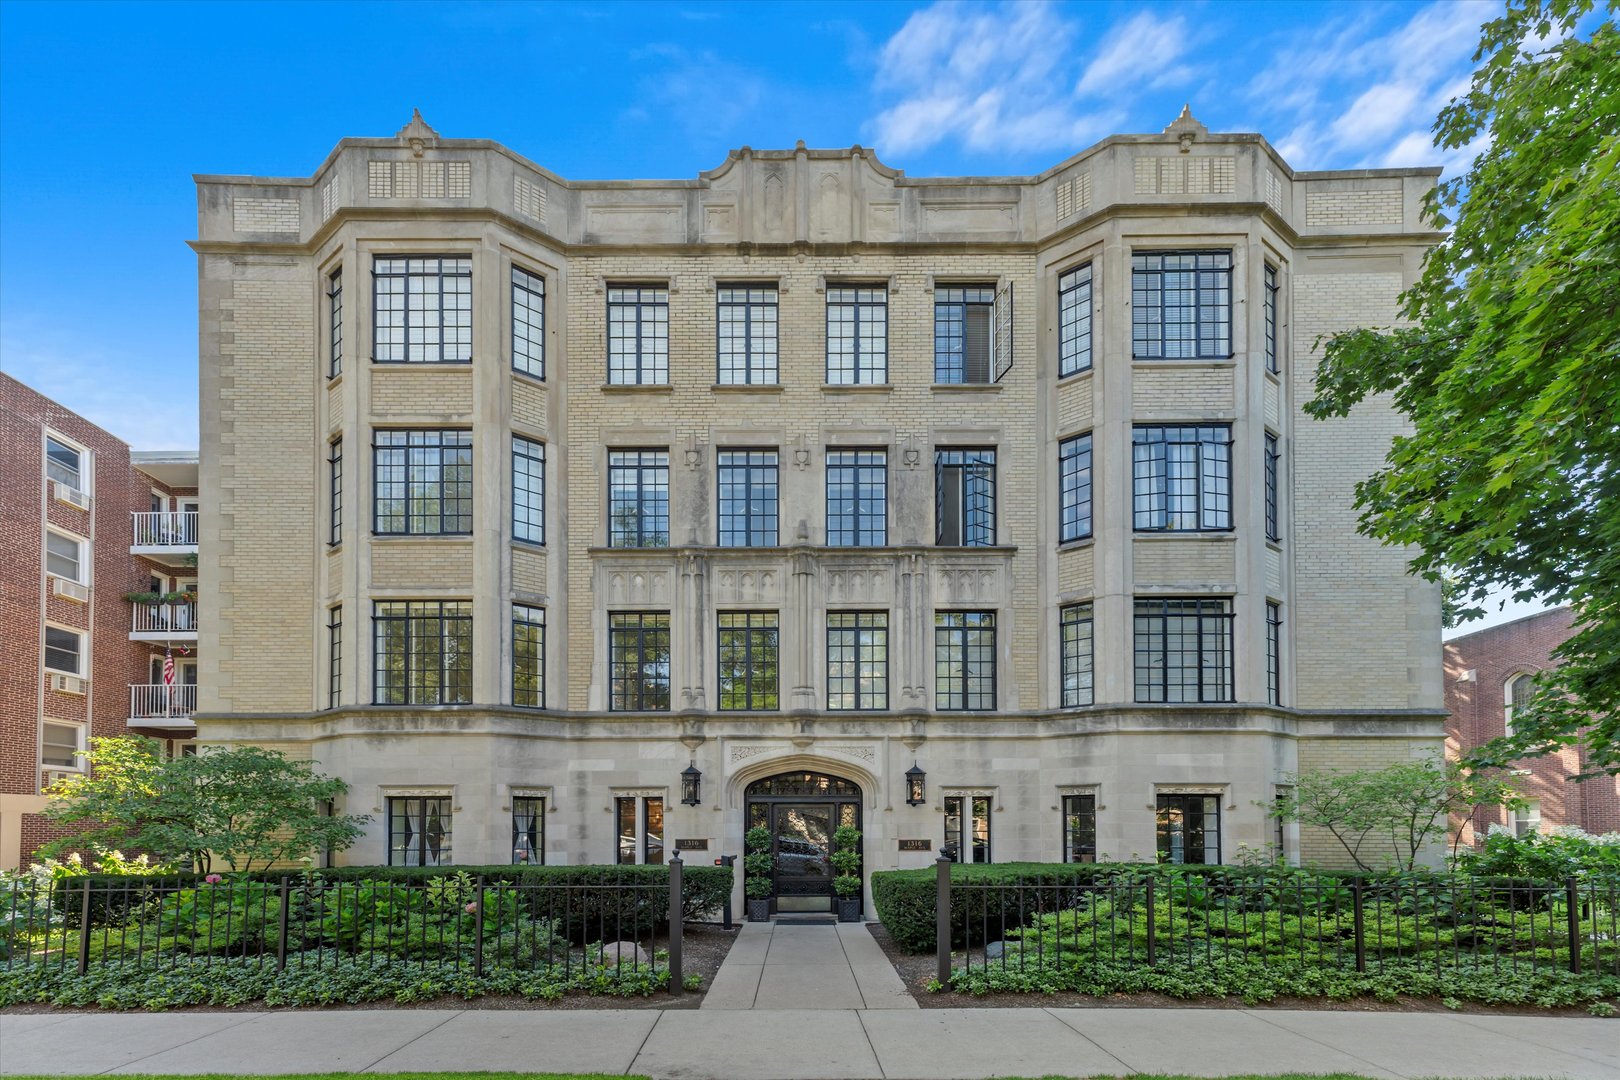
(70,590)
(67,684)
(70,495)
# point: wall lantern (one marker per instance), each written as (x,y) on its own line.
(916,786)
(691,785)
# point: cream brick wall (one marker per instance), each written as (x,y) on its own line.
(416,389)
(266,215)
(438,567)
(1181,392)
(1353,207)
(1189,564)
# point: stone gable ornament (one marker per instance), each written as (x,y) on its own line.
(1186,128)
(418,134)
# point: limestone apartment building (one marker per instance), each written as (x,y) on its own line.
(537,504)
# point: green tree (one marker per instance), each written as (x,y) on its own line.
(245,807)
(1390,817)
(1509,365)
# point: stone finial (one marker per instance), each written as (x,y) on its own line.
(1186,128)
(417,133)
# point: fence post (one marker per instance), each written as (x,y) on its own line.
(281,929)
(84,929)
(676,908)
(1360,925)
(1152,928)
(478,930)
(1573,894)
(942,918)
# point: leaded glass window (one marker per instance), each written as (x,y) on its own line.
(423,482)
(963,318)
(745,321)
(528,656)
(1183,650)
(528,830)
(1080,828)
(1181,305)
(1075,624)
(423,310)
(857,660)
(528,323)
(748,660)
(967,829)
(965,660)
(423,652)
(1273,525)
(748,491)
(1273,653)
(419,831)
(1189,829)
(1074,321)
(857,334)
(965,498)
(638,335)
(638,654)
(1272,362)
(528,490)
(1181,478)
(1074,488)
(638,498)
(857,498)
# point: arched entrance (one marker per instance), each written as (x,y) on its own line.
(801,809)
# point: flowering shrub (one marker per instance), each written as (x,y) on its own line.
(1564,852)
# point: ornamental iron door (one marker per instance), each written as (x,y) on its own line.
(801,810)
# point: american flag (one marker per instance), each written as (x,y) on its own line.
(168,668)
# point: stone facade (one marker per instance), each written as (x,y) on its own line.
(1480,670)
(1359,640)
(108,694)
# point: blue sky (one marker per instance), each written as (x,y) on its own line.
(106,110)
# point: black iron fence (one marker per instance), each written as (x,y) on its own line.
(453,922)
(1157,919)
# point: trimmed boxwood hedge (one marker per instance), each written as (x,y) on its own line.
(704,888)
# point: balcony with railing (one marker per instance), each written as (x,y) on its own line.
(160,706)
(166,536)
(167,622)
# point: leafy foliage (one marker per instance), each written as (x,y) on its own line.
(1390,816)
(1563,853)
(1509,366)
(244,806)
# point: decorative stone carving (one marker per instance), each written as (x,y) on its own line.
(1186,128)
(863,753)
(743,753)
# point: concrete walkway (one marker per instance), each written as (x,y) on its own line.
(795,1044)
(783,966)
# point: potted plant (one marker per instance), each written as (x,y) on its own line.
(757,864)
(846,860)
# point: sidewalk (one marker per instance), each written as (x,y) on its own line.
(808,1003)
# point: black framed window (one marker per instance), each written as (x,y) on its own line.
(1074,488)
(528,323)
(64,463)
(528,490)
(749,644)
(638,335)
(1189,828)
(528,830)
(965,660)
(965,498)
(528,656)
(638,652)
(857,660)
(964,317)
(1181,478)
(1183,650)
(638,498)
(1075,624)
(970,813)
(334,462)
(64,650)
(745,327)
(747,481)
(1181,305)
(857,334)
(423,482)
(423,310)
(423,652)
(1273,652)
(1074,321)
(857,498)
(641,830)
(334,325)
(1272,363)
(419,831)
(1080,828)
(334,656)
(1273,526)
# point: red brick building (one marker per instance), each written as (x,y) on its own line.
(1486,672)
(84,524)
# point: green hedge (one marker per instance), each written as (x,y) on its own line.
(705,888)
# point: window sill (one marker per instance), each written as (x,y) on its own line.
(334,380)
(538,380)
(1077,544)
(747,388)
(1274,545)
(528,545)
(1207,536)
(427,538)
(971,388)
(423,363)
(1186,361)
(856,388)
(637,388)
(1075,377)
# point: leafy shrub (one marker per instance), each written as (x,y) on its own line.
(1564,852)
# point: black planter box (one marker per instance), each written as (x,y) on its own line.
(849,909)
(759,910)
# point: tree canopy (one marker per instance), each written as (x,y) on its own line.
(1508,363)
(246,807)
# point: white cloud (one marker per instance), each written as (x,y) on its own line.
(988,78)
(1142,50)
(111,390)
(1395,82)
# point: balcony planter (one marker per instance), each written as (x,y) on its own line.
(161,597)
(846,860)
(757,866)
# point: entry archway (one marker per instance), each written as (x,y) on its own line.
(801,809)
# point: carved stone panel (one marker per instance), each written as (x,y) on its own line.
(978,582)
(858,584)
(749,585)
(641,586)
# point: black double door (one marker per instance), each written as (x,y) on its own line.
(802,810)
